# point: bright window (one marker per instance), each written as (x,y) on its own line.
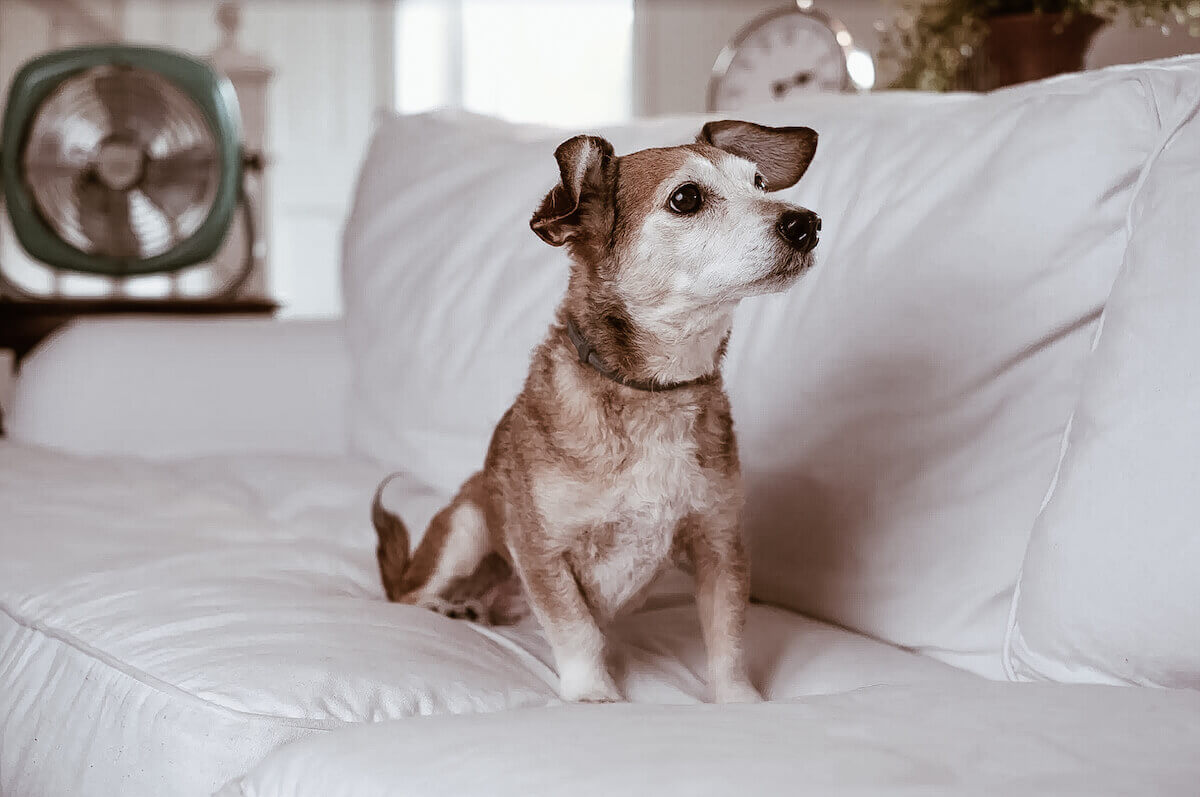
(541,61)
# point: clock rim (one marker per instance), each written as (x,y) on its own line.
(720,67)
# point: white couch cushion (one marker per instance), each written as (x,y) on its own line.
(179,386)
(165,625)
(1109,590)
(899,412)
(969,738)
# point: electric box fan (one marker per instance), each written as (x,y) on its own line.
(123,162)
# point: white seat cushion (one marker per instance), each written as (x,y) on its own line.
(164,625)
(975,738)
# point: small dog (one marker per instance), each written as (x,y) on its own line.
(619,454)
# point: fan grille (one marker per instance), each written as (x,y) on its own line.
(121,163)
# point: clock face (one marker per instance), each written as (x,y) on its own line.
(785,55)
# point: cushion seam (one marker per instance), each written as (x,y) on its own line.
(157,684)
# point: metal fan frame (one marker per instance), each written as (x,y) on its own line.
(212,93)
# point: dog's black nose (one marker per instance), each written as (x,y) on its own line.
(799,228)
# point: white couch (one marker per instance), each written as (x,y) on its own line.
(188,593)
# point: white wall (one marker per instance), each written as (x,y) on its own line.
(333,62)
(678,40)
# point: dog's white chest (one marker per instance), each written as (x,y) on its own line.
(618,526)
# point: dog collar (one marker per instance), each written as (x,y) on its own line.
(589,357)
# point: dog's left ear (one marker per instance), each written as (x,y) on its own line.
(782,154)
(581,200)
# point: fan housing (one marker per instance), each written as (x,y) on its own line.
(120,160)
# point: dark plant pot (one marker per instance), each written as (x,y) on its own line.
(1024,47)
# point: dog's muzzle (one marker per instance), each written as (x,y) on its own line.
(799,228)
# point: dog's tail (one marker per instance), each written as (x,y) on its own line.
(392,551)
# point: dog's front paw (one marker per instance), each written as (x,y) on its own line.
(736,692)
(577,686)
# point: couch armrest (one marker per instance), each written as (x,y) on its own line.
(172,387)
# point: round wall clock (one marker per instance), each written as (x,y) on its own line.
(792,50)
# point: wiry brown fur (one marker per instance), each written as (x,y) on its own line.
(589,486)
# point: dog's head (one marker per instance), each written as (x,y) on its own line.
(684,227)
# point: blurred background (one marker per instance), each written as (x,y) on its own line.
(313,76)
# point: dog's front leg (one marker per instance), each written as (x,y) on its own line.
(722,593)
(574,637)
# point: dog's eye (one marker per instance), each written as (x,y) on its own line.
(686,199)
(760,182)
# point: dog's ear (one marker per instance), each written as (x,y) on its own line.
(782,154)
(587,172)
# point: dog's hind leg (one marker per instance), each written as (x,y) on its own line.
(492,594)
(455,544)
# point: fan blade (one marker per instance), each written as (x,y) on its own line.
(104,218)
(131,104)
(180,181)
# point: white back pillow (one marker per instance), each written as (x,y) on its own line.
(899,412)
(1110,591)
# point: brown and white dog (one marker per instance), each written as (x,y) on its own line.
(619,454)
